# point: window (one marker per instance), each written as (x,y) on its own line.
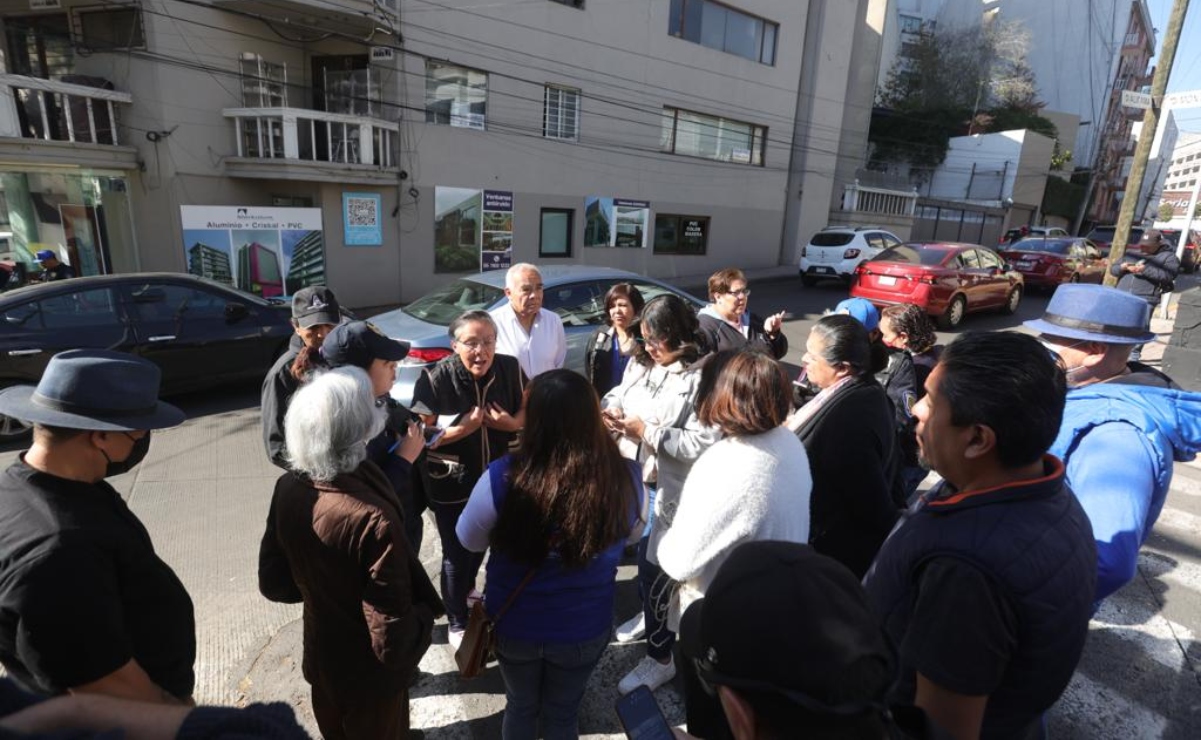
(554,236)
(711,137)
(111,28)
(681,234)
(561,114)
(724,28)
(455,96)
(573,3)
(909,50)
(911,24)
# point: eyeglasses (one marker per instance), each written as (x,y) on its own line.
(740,293)
(655,344)
(474,345)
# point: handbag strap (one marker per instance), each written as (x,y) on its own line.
(513,596)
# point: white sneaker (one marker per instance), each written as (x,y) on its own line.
(632,629)
(650,673)
(455,638)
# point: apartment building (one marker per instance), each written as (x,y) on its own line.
(385,147)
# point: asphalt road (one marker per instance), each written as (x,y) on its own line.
(203,493)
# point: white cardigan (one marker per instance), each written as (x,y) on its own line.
(742,489)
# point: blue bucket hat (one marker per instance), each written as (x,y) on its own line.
(96,390)
(1095,313)
(862,309)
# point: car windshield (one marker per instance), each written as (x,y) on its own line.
(835,239)
(1105,234)
(912,254)
(443,305)
(1055,246)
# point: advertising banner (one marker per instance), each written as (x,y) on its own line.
(361,220)
(614,222)
(270,252)
(473,229)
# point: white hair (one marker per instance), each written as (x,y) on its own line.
(329,421)
(515,272)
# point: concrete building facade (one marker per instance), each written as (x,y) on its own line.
(709,133)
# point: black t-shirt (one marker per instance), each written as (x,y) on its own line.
(61,271)
(82,590)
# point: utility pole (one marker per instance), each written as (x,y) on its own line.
(1134,183)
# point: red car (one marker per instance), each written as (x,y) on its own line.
(949,280)
(1045,263)
(1102,237)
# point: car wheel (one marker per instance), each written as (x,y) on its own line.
(808,281)
(954,313)
(11,428)
(1014,299)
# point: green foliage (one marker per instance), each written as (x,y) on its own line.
(1062,198)
(1166,212)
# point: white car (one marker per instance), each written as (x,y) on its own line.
(835,252)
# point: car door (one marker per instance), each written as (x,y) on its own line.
(196,335)
(35,330)
(1093,265)
(994,280)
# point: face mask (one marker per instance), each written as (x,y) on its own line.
(136,454)
(1068,372)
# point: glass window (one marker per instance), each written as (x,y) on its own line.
(561,114)
(911,24)
(111,28)
(768,55)
(444,304)
(85,308)
(174,303)
(681,234)
(743,35)
(578,304)
(455,96)
(712,137)
(713,26)
(969,260)
(555,236)
(988,259)
(723,28)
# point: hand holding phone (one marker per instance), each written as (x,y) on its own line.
(641,717)
(432,435)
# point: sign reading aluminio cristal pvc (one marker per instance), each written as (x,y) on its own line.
(269,252)
(473,229)
(614,222)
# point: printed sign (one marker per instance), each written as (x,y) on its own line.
(473,229)
(614,222)
(361,220)
(382,53)
(1132,99)
(270,252)
(497,249)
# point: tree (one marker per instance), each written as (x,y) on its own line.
(1166,212)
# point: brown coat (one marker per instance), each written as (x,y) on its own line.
(340,548)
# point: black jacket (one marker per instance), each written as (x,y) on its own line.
(899,380)
(278,387)
(598,361)
(1159,273)
(720,335)
(852,446)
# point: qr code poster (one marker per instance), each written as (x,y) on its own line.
(361,218)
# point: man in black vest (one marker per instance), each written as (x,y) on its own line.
(986,585)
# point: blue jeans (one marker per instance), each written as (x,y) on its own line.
(460,566)
(545,681)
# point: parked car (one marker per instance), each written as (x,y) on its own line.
(199,332)
(575,292)
(835,252)
(1050,232)
(948,280)
(1188,258)
(1102,237)
(1046,263)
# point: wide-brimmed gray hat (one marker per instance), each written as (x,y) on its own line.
(96,390)
(1095,313)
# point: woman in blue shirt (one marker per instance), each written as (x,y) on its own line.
(612,345)
(558,511)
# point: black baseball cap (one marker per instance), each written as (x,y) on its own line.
(781,619)
(315,305)
(360,343)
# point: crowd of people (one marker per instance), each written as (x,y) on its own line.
(881,609)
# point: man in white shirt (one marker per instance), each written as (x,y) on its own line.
(526,330)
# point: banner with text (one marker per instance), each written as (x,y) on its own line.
(473,229)
(614,222)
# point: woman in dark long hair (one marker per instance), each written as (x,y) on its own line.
(848,432)
(614,343)
(556,514)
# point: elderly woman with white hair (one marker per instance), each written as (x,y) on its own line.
(335,540)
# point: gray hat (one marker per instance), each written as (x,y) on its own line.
(97,390)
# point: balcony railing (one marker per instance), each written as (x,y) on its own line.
(856,197)
(313,136)
(34,108)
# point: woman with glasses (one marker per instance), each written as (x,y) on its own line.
(654,416)
(612,345)
(727,324)
(475,395)
(849,434)
(556,514)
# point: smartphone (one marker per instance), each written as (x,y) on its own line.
(432,435)
(641,717)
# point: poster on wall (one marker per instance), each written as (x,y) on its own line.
(361,221)
(473,229)
(615,222)
(270,252)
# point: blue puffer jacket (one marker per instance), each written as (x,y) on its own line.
(1118,442)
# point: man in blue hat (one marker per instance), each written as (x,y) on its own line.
(1124,422)
(86,605)
(52,268)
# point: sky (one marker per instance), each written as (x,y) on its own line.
(1186,69)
